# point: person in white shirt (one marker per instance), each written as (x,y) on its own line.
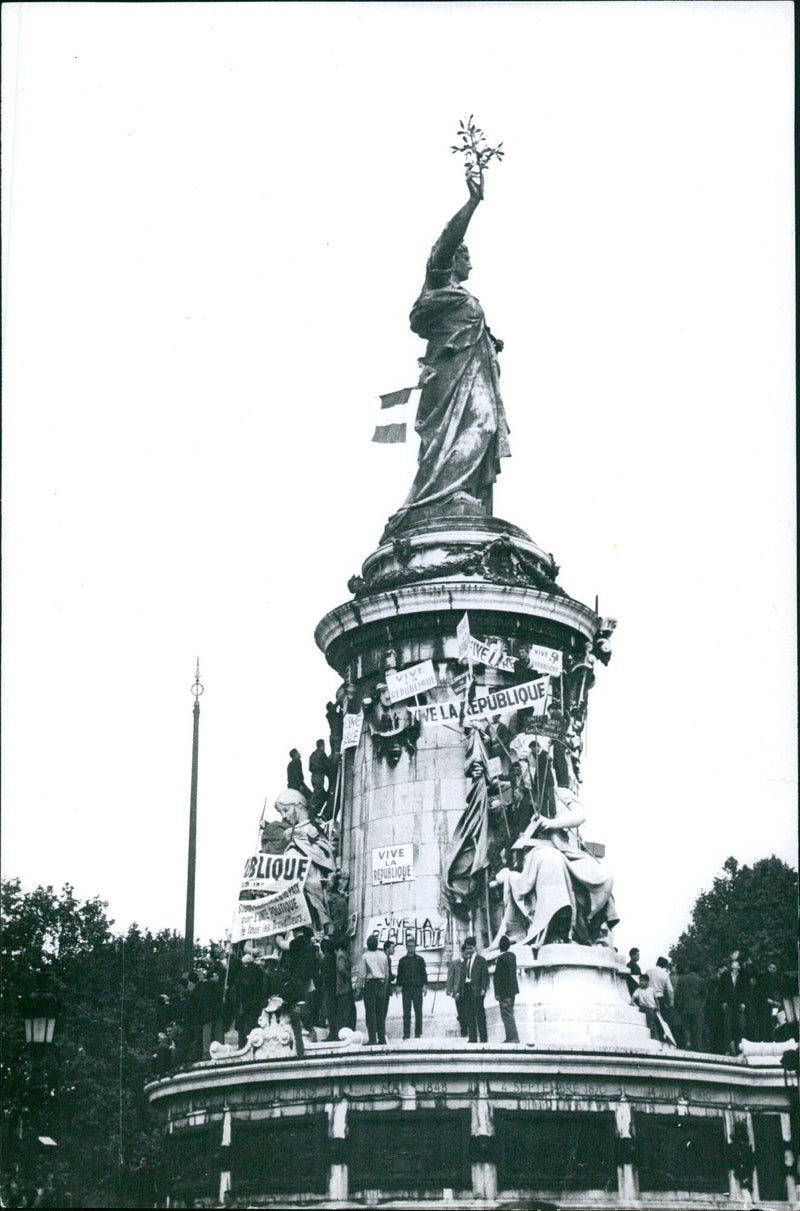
(661,984)
(373,976)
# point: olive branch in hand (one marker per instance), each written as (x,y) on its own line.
(476,151)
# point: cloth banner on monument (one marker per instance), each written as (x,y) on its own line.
(463,636)
(491,655)
(273,872)
(469,848)
(351,730)
(532,696)
(274,914)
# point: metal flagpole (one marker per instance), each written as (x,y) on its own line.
(188,933)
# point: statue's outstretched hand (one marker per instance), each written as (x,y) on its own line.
(475,188)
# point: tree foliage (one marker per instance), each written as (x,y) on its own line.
(90,1097)
(751,908)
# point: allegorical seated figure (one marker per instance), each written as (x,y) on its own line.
(300,831)
(561,893)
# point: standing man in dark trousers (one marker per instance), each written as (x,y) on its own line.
(389,949)
(412,979)
(506,988)
(634,970)
(453,988)
(373,977)
(474,985)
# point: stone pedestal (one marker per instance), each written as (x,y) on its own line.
(575,997)
(409,600)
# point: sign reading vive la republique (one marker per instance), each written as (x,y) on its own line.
(532,696)
(414,680)
(427,929)
(393,864)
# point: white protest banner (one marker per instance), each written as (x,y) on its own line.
(544,660)
(351,730)
(427,928)
(491,655)
(494,767)
(273,872)
(532,696)
(414,680)
(463,637)
(393,863)
(448,711)
(275,914)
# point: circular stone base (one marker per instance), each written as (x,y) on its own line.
(419,1124)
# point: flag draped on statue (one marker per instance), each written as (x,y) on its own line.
(468,854)
(393,427)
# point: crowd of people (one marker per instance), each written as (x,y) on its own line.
(215,998)
(315,979)
(743,1000)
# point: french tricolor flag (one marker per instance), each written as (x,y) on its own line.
(393,427)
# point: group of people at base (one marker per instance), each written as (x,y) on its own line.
(214,998)
(190,1017)
(468,983)
(376,983)
(741,1001)
(468,980)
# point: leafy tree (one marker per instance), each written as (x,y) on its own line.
(751,908)
(90,1097)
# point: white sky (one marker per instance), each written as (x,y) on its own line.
(215,221)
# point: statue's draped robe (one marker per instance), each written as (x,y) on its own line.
(558,873)
(461,420)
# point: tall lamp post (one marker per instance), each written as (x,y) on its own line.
(39,1014)
(188,933)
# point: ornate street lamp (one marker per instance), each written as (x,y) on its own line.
(39,1012)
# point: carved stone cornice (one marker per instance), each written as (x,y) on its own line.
(453,596)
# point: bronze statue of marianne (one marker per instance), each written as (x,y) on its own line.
(461,420)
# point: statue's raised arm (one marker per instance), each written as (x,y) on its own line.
(461,420)
(448,243)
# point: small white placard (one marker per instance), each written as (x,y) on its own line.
(408,682)
(393,864)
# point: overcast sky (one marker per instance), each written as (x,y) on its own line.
(215,221)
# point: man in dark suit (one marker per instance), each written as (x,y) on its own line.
(474,985)
(731,997)
(453,988)
(633,969)
(506,988)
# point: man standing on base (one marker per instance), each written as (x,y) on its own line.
(506,988)
(373,977)
(412,978)
(474,985)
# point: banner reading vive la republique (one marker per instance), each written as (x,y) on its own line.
(532,696)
